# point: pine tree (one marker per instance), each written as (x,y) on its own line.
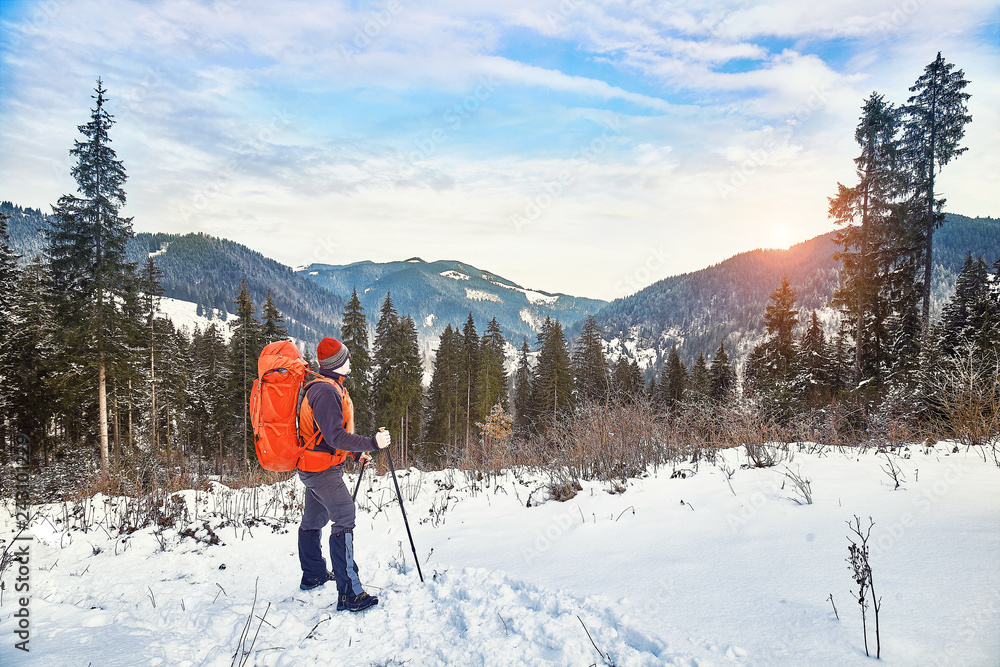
(149,284)
(470,363)
(627,380)
(29,364)
(244,349)
(274,324)
(9,278)
(935,120)
(590,368)
(443,401)
(412,370)
(771,364)
(209,397)
(970,316)
(814,362)
(354,334)
(89,270)
(870,246)
(552,381)
(9,275)
(673,381)
(700,385)
(398,372)
(523,390)
(722,377)
(491,377)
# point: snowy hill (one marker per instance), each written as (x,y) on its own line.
(445,292)
(708,564)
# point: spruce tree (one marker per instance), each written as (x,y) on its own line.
(701,384)
(354,334)
(9,278)
(444,394)
(470,364)
(523,390)
(30,360)
(552,382)
(770,365)
(673,381)
(627,380)
(970,316)
(244,349)
(870,248)
(722,377)
(149,284)
(396,382)
(274,324)
(814,362)
(88,266)
(491,377)
(590,368)
(412,371)
(935,119)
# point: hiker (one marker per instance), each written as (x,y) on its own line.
(326,425)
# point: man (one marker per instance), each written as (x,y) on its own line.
(326,424)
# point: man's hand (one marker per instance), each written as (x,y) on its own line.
(364,459)
(382,438)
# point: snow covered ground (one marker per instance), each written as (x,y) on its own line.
(685,567)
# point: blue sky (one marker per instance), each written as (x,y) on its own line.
(583,147)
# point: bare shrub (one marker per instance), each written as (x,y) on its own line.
(967,390)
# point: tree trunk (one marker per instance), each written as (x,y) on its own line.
(102,402)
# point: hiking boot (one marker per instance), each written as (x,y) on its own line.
(356,603)
(309,583)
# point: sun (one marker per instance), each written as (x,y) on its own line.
(781,236)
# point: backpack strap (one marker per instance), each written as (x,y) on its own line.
(298,405)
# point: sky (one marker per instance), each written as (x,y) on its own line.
(589,148)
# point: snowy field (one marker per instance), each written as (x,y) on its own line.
(714,565)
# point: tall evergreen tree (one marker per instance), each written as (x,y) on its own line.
(274,324)
(870,247)
(590,369)
(552,381)
(9,278)
(149,284)
(935,119)
(673,380)
(470,364)
(444,401)
(244,349)
(89,270)
(722,377)
(29,363)
(771,364)
(814,362)
(491,377)
(523,390)
(210,385)
(398,372)
(700,385)
(354,334)
(412,370)
(627,380)
(971,315)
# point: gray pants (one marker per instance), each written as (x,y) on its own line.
(327,499)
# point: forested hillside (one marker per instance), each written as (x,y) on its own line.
(695,311)
(440,293)
(208,271)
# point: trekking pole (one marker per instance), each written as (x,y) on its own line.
(405,522)
(361,473)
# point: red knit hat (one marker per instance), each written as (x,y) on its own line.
(332,353)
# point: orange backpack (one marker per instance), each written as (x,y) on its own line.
(274,405)
(275,409)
